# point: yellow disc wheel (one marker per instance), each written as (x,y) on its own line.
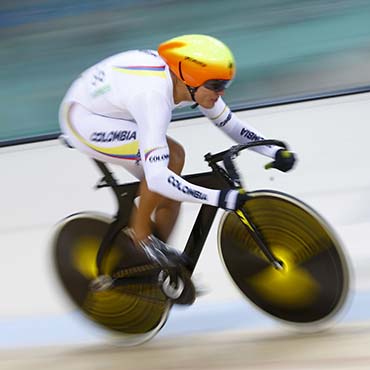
(136,311)
(313,284)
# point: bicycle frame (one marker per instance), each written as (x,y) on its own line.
(218,178)
(125,194)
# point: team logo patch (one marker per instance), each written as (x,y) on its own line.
(158,158)
(186,189)
(110,136)
(250,135)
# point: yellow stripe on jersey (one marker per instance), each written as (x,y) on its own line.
(142,71)
(219,115)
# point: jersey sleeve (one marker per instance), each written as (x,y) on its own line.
(153,114)
(240,131)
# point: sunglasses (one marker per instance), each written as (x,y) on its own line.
(217,85)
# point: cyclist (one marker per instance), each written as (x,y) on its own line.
(118,111)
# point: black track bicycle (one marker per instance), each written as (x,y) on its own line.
(281,254)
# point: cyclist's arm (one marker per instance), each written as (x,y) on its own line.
(240,131)
(153,115)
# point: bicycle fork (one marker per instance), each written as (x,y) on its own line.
(257,237)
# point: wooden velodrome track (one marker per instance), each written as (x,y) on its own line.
(342,347)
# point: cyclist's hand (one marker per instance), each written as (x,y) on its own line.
(284,161)
(232,199)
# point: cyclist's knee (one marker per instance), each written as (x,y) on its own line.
(177,156)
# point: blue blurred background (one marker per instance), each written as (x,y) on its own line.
(285,50)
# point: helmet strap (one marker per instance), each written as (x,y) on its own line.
(192,91)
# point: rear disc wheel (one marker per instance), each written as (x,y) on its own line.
(135,313)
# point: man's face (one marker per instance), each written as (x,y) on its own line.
(207,98)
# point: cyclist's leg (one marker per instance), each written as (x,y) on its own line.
(166,210)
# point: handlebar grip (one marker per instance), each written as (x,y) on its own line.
(270,165)
(284,161)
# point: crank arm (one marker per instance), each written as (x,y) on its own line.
(134,280)
(106,282)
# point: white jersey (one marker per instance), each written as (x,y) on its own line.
(134,91)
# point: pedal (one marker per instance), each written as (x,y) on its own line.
(101,283)
(170,288)
(178,288)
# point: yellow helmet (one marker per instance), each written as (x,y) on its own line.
(196,59)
